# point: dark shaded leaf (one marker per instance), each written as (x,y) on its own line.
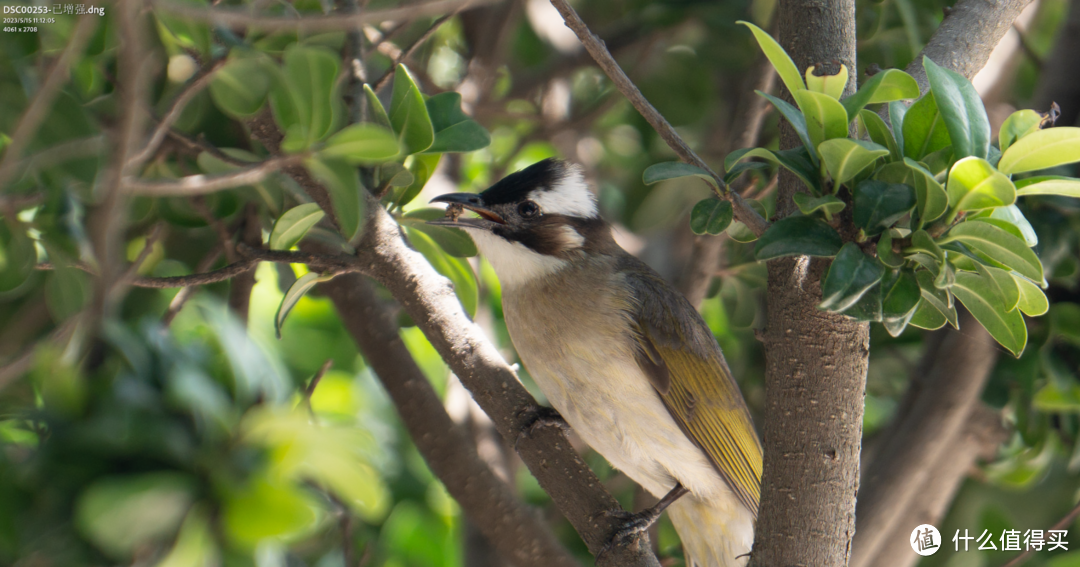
(851,274)
(798,236)
(877,205)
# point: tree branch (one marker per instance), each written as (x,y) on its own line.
(203,184)
(507,523)
(603,58)
(405,53)
(237,19)
(966,37)
(937,417)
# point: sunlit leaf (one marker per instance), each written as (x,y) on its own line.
(885,86)
(825,116)
(1033,301)
(962,110)
(422,167)
(1041,150)
(294,224)
(376,109)
(779,58)
(1061,186)
(195,546)
(924,130)
(844,157)
(978,295)
(797,120)
(974,184)
(832,85)
(1016,126)
(1012,215)
(265,508)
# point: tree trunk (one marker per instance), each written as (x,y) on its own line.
(816,362)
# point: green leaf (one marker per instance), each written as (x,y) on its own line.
(294,224)
(1007,288)
(797,121)
(867,308)
(900,296)
(924,130)
(195,544)
(303,98)
(739,232)
(457,270)
(962,110)
(844,157)
(779,58)
(974,184)
(295,293)
(885,86)
(937,162)
(239,88)
(832,85)
(926,317)
(1063,187)
(711,216)
(343,183)
(120,514)
(376,109)
(454,130)
(394,175)
(1041,150)
(937,299)
(422,167)
(796,161)
(453,240)
(266,509)
(825,116)
(978,294)
(67,291)
(880,133)
(827,204)
(1017,125)
(885,253)
(921,241)
(998,244)
(877,205)
(897,111)
(17,257)
(798,236)
(1033,301)
(1011,214)
(673,170)
(742,167)
(362,144)
(409,114)
(932,199)
(851,274)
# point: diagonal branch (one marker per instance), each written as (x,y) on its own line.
(603,58)
(405,53)
(203,184)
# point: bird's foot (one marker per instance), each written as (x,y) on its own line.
(538,419)
(634,525)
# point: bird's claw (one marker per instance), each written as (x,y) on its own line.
(633,525)
(538,419)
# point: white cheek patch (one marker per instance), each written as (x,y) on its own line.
(514,263)
(570,239)
(569,196)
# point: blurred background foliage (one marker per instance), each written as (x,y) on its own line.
(192,438)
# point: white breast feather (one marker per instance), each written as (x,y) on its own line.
(514,262)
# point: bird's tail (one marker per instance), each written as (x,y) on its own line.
(714,534)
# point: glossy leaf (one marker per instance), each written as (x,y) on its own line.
(673,170)
(980,298)
(877,205)
(294,294)
(1033,301)
(962,110)
(1063,187)
(409,114)
(711,216)
(897,111)
(832,85)
(1041,150)
(343,183)
(885,86)
(364,143)
(900,296)
(827,204)
(457,270)
(422,167)
(974,184)
(926,317)
(924,130)
(880,133)
(779,58)
(739,232)
(998,244)
(868,307)
(932,199)
(454,130)
(240,88)
(453,241)
(798,236)
(1012,215)
(1017,125)
(303,98)
(940,300)
(921,241)
(797,120)
(825,116)
(850,275)
(885,253)
(796,161)
(290,229)
(844,157)
(376,109)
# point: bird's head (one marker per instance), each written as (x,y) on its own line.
(532,222)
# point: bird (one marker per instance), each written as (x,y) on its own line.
(622,356)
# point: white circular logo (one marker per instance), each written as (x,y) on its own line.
(925,540)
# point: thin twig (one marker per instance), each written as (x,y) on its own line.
(310,390)
(43,99)
(203,184)
(603,57)
(332,22)
(184,294)
(408,51)
(151,240)
(199,145)
(1067,520)
(194,87)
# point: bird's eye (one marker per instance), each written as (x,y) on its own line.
(528,209)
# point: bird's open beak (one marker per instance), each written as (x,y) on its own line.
(471,201)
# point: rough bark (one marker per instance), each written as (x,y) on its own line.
(1059,81)
(978,439)
(936,419)
(966,37)
(509,525)
(815,361)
